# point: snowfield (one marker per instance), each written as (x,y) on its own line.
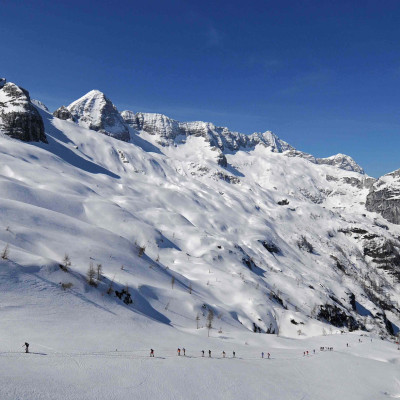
(84,346)
(275,249)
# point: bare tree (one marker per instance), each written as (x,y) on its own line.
(210,319)
(197,320)
(66,263)
(99,269)
(110,289)
(5,253)
(142,249)
(91,273)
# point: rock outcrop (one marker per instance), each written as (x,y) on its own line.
(220,137)
(341,161)
(170,130)
(64,114)
(384,197)
(95,111)
(19,118)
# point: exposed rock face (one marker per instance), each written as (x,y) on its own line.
(19,118)
(95,111)
(64,114)
(337,317)
(2,82)
(170,130)
(384,197)
(383,252)
(341,161)
(220,137)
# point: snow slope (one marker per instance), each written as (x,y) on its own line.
(266,242)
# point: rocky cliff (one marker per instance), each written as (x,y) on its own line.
(19,118)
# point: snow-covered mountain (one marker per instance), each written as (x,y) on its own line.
(96,112)
(188,219)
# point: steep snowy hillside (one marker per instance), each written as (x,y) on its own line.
(181,231)
(193,219)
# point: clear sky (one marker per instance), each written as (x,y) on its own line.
(323,75)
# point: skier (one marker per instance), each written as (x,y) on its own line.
(179,351)
(151,353)
(202,353)
(234,354)
(314,351)
(307,352)
(26,347)
(209,353)
(223,354)
(184,351)
(262,354)
(347,344)
(268,355)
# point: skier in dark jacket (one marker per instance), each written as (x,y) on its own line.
(209,353)
(26,347)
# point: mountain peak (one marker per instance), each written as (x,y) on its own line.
(341,161)
(95,111)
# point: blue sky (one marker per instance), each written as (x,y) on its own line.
(323,75)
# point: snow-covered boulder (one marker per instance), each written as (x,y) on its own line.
(341,161)
(19,118)
(95,111)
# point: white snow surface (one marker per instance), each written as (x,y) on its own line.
(179,232)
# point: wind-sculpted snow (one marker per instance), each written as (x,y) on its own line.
(95,111)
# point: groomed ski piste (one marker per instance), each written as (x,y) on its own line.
(184,236)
